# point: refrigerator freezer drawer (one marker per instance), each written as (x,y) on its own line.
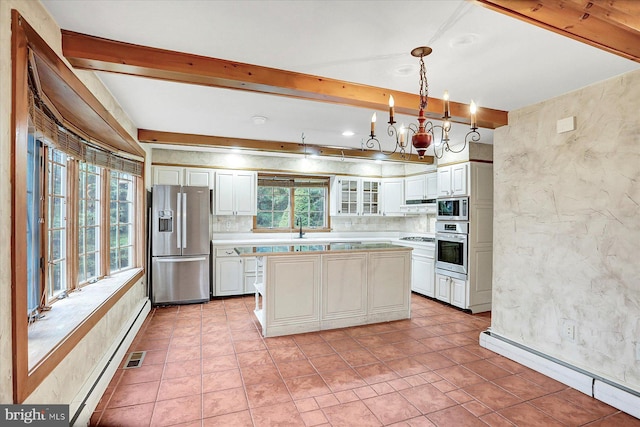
(180,280)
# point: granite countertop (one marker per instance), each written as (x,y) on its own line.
(270,250)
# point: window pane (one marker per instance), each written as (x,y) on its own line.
(125,257)
(57,281)
(56,242)
(57,212)
(113,236)
(113,212)
(124,212)
(81,268)
(123,235)
(113,255)
(92,265)
(264,219)
(91,234)
(81,240)
(281,199)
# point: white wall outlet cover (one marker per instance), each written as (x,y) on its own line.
(567,124)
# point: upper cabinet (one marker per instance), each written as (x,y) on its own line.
(453,180)
(236,193)
(421,187)
(356,196)
(198,177)
(392,196)
(176,175)
(168,175)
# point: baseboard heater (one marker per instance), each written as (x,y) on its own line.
(116,356)
(605,390)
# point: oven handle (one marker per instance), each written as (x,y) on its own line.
(453,237)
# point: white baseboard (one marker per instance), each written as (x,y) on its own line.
(616,395)
(106,368)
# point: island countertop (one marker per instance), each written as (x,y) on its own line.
(271,250)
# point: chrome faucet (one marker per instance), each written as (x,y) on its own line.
(300,224)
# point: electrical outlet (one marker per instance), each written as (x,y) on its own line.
(569,330)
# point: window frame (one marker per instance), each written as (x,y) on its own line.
(25,42)
(99,246)
(291,182)
(118,224)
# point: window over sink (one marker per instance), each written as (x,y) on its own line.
(290,202)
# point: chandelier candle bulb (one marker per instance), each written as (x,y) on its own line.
(373,124)
(446,104)
(472,109)
(391,104)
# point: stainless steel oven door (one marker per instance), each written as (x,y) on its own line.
(451,252)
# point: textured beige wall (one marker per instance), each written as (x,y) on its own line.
(78,364)
(567,229)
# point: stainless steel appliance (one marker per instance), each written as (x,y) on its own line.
(180,244)
(453,209)
(451,248)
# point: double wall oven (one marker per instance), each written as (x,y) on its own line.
(452,237)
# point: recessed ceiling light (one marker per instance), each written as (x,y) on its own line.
(259,120)
(464,40)
(348,133)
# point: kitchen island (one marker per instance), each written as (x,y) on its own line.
(305,288)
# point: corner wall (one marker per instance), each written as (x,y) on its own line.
(567,229)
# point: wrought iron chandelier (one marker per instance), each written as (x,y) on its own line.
(423,134)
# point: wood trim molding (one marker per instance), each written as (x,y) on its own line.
(173,138)
(98,54)
(19,135)
(79,107)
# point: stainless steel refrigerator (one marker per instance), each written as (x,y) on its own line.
(180,244)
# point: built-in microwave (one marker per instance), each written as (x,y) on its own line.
(453,209)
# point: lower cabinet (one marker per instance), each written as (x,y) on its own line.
(229,276)
(451,290)
(422,274)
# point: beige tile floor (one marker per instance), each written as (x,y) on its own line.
(208,365)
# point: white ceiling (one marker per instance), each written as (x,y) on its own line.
(508,65)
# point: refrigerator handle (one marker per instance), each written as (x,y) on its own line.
(179,222)
(184,220)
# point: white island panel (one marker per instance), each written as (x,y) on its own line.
(389,286)
(293,294)
(344,290)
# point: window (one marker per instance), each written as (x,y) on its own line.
(288,202)
(89,189)
(57,223)
(122,195)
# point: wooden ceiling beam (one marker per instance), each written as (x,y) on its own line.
(99,54)
(173,138)
(612,25)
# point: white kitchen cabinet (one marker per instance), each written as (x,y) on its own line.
(229,273)
(168,175)
(392,196)
(357,196)
(443,288)
(453,180)
(199,177)
(250,272)
(422,274)
(236,193)
(176,175)
(420,187)
(451,290)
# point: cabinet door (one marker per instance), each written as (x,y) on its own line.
(392,196)
(167,175)
(443,288)
(422,270)
(444,181)
(370,197)
(432,185)
(348,196)
(459,179)
(198,177)
(224,193)
(414,187)
(229,276)
(459,293)
(244,187)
